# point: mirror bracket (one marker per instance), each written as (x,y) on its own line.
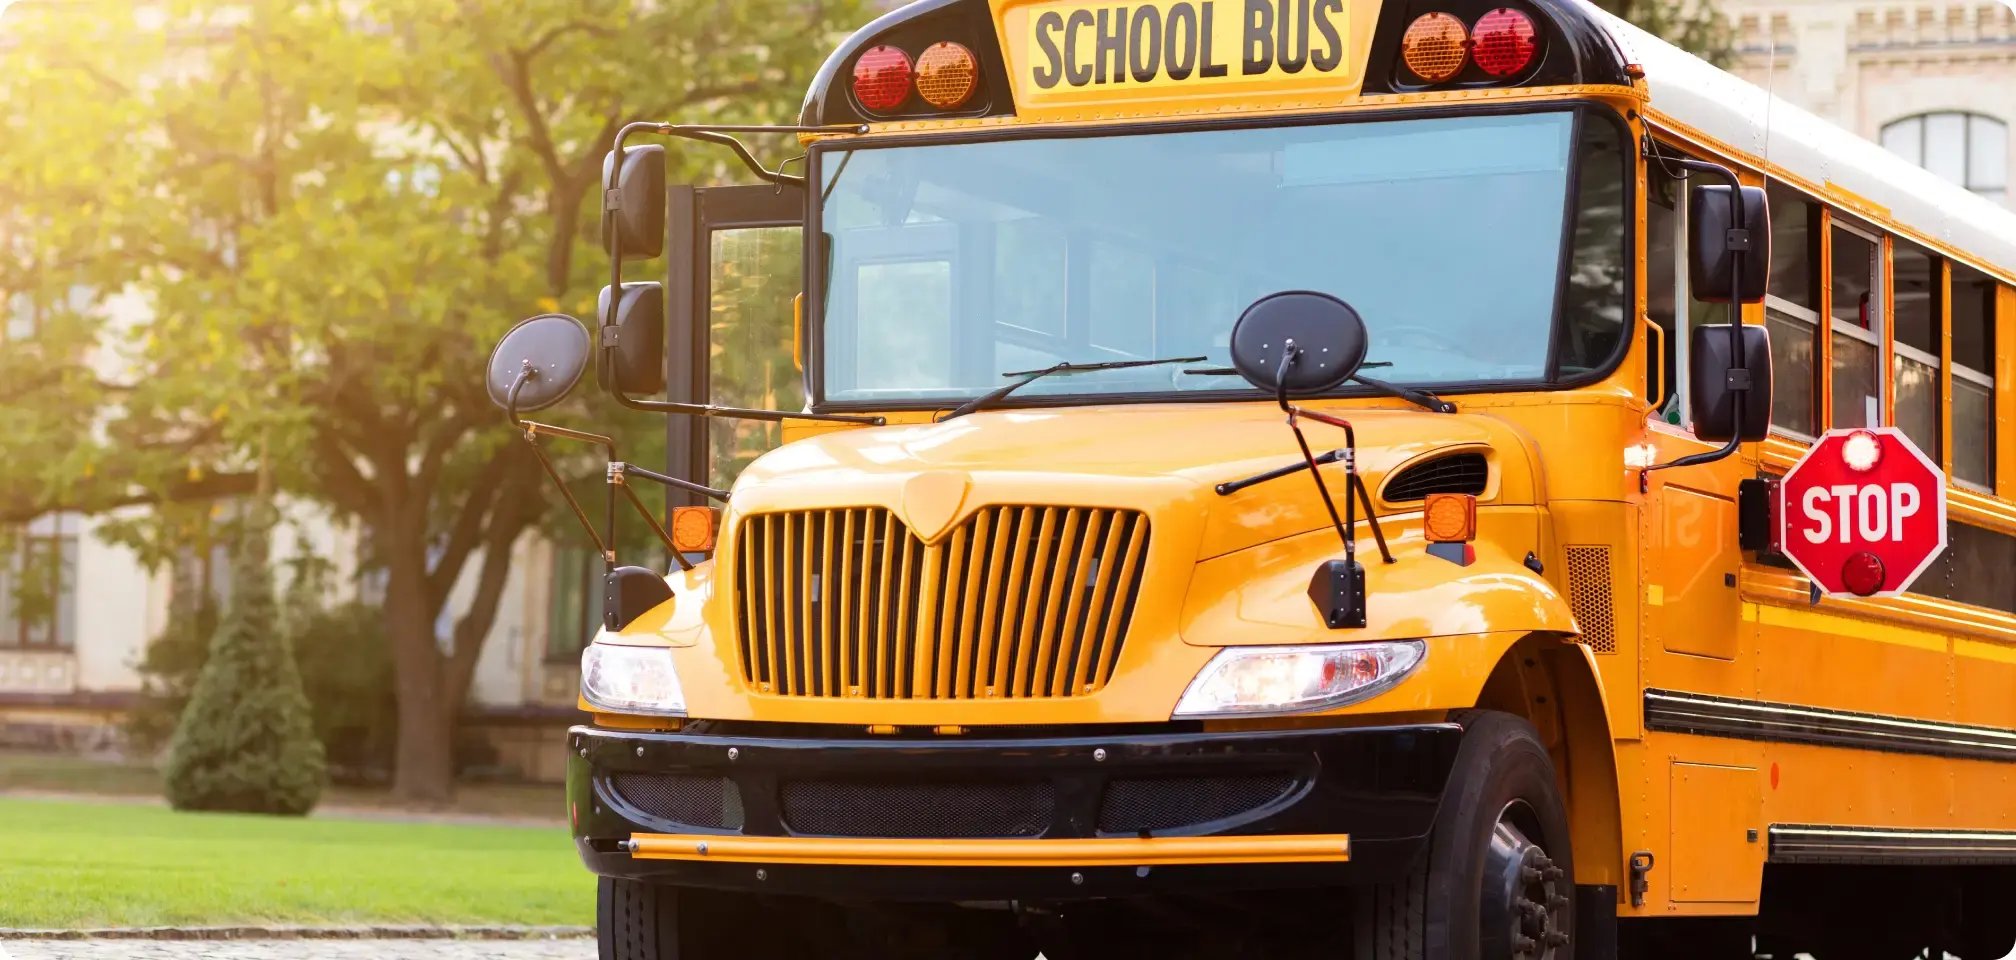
(1738,245)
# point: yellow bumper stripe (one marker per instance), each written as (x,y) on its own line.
(1115,852)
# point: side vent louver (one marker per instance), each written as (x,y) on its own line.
(1589,597)
(1455,473)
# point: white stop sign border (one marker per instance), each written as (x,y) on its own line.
(1786,506)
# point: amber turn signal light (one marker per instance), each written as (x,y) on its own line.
(1435,47)
(692,528)
(947,73)
(1449,518)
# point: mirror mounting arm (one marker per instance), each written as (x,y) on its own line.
(719,134)
(612,202)
(617,471)
(1739,376)
(740,413)
(531,431)
(1355,492)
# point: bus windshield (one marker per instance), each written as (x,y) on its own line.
(1481,251)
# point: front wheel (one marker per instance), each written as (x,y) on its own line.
(635,920)
(1497,882)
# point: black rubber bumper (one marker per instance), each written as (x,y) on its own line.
(1379,785)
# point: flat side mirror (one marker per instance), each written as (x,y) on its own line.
(537,363)
(636,363)
(640,192)
(1328,335)
(1709,216)
(1714,402)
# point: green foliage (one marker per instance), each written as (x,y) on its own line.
(326,213)
(246,742)
(1696,26)
(168,672)
(346,671)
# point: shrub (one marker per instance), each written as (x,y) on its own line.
(246,742)
(168,670)
(346,669)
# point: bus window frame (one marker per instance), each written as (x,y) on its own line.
(1881,334)
(1580,110)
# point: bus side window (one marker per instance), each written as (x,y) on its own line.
(1916,307)
(1666,280)
(1792,312)
(1856,324)
(1974,386)
(1663,249)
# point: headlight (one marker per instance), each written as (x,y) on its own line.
(631,679)
(1244,680)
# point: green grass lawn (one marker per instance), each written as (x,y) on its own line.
(84,864)
(66,773)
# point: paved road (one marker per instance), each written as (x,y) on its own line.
(297,949)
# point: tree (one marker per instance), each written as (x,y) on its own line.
(1696,26)
(324,213)
(246,742)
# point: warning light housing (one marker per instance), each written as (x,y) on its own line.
(1436,47)
(882,78)
(1504,42)
(1862,573)
(1449,518)
(693,528)
(947,74)
(1861,451)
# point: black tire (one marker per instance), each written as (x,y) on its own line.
(642,921)
(1472,896)
(635,920)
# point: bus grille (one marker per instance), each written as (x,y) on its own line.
(1016,602)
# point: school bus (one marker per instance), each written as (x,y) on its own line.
(1040,629)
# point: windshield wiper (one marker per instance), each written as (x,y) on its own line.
(1420,398)
(994,396)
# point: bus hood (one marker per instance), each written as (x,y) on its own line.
(1164,459)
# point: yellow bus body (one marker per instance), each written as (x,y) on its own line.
(1635,587)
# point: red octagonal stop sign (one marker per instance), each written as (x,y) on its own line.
(1864,512)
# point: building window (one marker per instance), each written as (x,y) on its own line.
(1967,148)
(1856,325)
(38,588)
(1973,378)
(1915,362)
(575,610)
(1792,312)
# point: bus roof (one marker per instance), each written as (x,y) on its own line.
(1764,129)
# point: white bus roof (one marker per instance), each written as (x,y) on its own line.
(1701,97)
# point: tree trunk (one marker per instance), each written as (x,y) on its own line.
(424,764)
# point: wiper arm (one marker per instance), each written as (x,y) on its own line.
(994,396)
(1420,398)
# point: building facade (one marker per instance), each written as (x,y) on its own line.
(1933,82)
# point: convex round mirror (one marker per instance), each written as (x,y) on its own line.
(553,347)
(1327,334)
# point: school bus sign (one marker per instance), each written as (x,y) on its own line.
(1864,512)
(1074,52)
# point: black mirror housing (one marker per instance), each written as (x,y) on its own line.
(537,363)
(629,592)
(1328,332)
(634,362)
(639,221)
(1709,375)
(1710,218)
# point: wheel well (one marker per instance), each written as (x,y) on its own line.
(1553,685)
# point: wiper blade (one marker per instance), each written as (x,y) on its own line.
(995,395)
(1420,398)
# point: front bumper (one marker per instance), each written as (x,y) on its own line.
(1000,818)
